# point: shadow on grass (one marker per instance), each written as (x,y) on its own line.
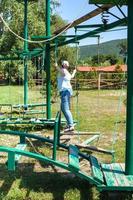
(58,184)
(47,182)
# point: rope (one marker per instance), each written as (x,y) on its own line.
(118,113)
(34,41)
(76,85)
(56,51)
(47,40)
(56,61)
(19,90)
(41,62)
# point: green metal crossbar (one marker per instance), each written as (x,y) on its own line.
(10,58)
(29,105)
(26,120)
(114,2)
(31,112)
(96,31)
(11,158)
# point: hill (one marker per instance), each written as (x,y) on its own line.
(111,47)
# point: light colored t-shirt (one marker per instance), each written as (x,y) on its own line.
(63,82)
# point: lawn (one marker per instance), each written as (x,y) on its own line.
(95,111)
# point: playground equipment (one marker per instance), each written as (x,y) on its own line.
(107,177)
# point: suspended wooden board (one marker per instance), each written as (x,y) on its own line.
(84,18)
(115,178)
(73,158)
(114,2)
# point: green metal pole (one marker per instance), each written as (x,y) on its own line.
(96,31)
(47,56)
(25,51)
(129,127)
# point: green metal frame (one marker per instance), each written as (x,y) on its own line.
(129,124)
(119,2)
(25,51)
(56,141)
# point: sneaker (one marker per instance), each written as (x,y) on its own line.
(70,128)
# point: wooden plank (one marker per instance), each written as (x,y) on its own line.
(109,175)
(20,147)
(82,19)
(119,174)
(96,149)
(79,133)
(130,180)
(129,177)
(73,158)
(96,170)
(34,112)
(90,140)
(122,166)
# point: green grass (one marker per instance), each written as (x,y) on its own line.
(34,180)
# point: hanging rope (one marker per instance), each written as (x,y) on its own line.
(56,58)
(41,62)
(82,7)
(115,132)
(76,83)
(33,41)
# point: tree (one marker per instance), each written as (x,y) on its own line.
(123,50)
(113,59)
(97,60)
(13,14)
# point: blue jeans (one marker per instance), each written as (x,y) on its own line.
(65,107)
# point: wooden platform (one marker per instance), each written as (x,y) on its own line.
(115,178)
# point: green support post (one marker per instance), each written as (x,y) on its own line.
(56,134)
(129,127)
(25,52)
(11,161)
(47,56)
(22,139)
(55,139)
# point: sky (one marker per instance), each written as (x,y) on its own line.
(70,10)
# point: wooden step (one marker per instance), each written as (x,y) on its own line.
(34,112)
(20,147)
(96,169)
(115,175)
(91,139)
(73,158)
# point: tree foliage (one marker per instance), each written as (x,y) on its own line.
(10,45)
(101,59)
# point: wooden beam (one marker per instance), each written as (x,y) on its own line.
(96,149)
(84,18)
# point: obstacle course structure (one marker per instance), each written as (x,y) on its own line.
(107,177)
